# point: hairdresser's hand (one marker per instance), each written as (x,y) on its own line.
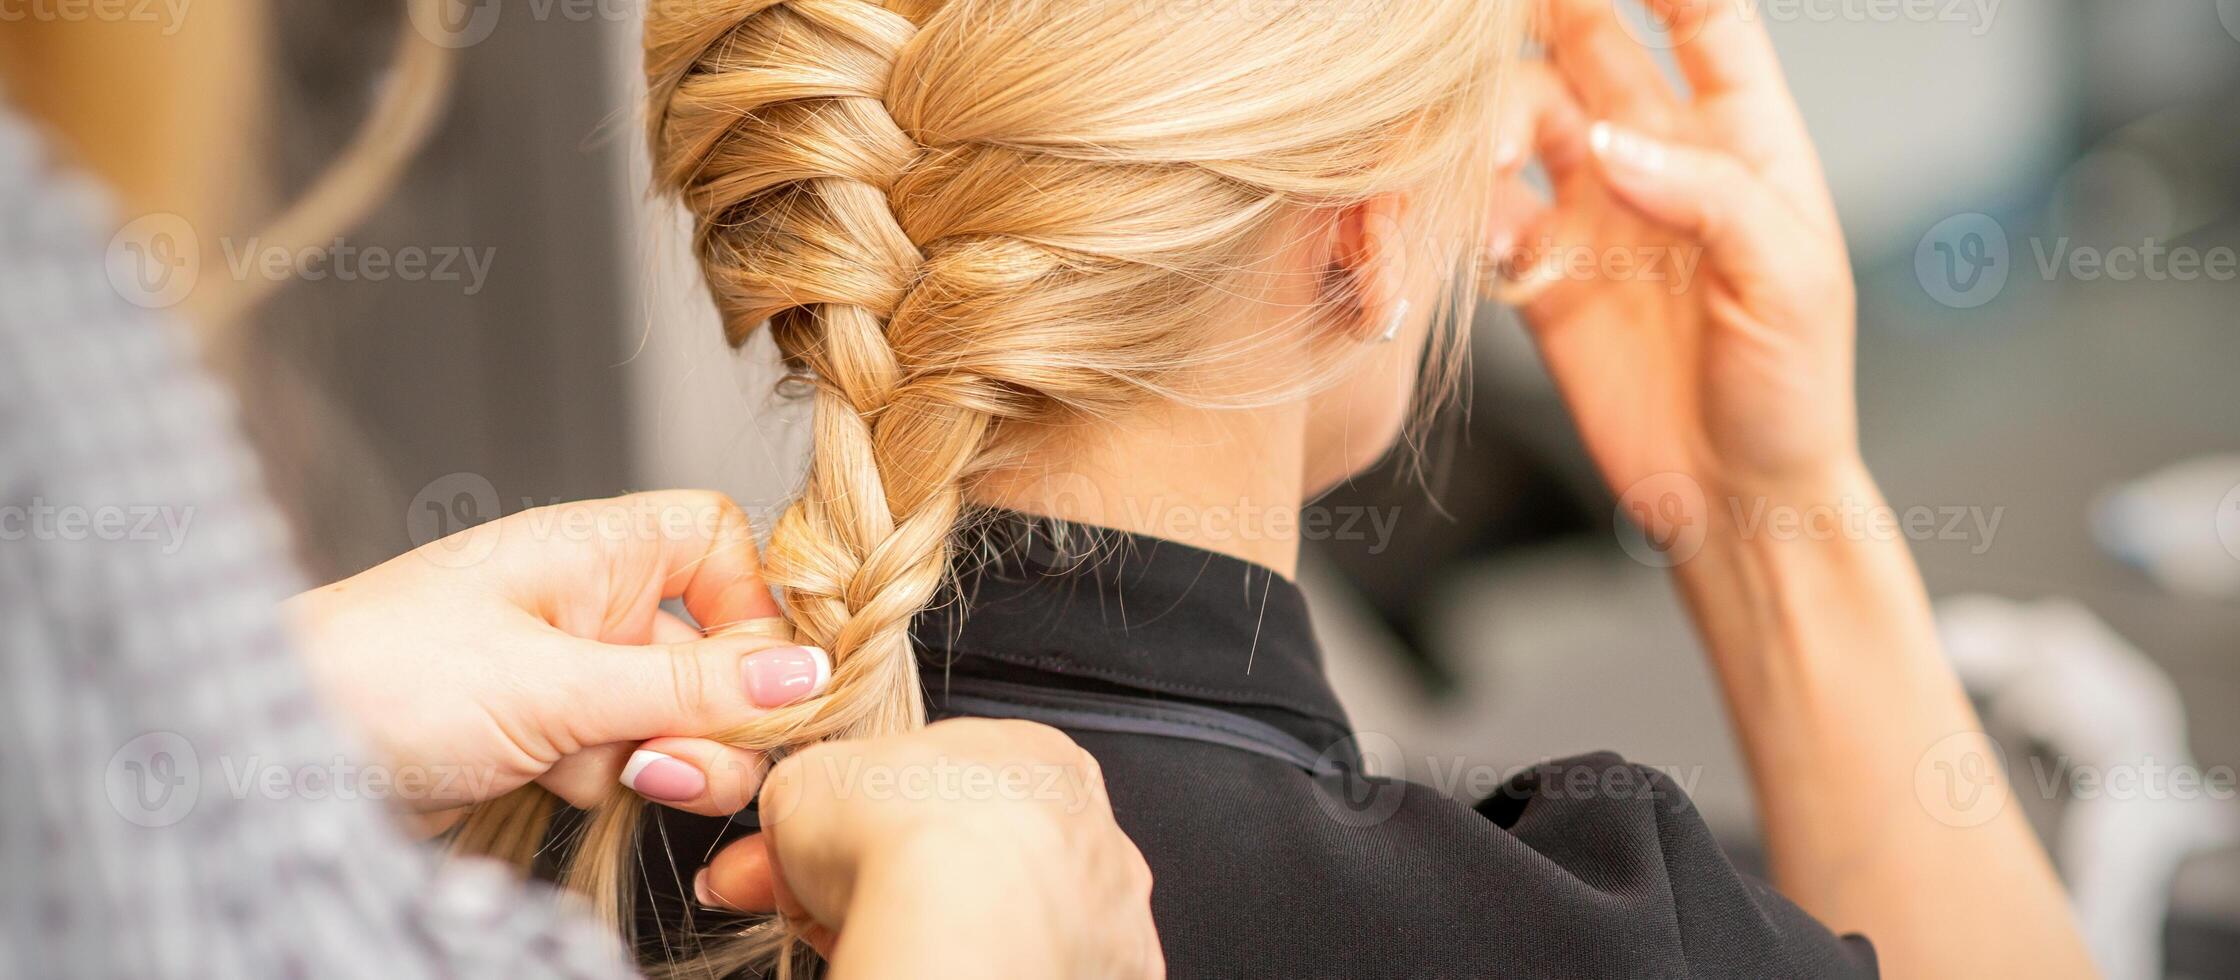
(535,648)
(1692,294)
(991,852)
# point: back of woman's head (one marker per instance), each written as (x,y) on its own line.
(965,220)
(961,220)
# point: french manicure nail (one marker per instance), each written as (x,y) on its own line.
(703,894)
(656,776)
(781,676)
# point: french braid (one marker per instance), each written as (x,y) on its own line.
(965,219)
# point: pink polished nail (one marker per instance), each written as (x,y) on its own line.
(781,676)
(660,777)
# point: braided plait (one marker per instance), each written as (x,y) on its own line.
(774,134)
(970,225)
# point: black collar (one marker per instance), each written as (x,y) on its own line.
(1079,606)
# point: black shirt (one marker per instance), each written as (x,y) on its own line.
(1195,680)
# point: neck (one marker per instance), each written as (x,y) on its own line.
(1226,481)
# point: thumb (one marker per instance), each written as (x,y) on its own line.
(614,693)
(1707,195)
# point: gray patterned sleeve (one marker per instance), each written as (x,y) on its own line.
(175,804)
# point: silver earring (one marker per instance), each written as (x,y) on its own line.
(1392,328)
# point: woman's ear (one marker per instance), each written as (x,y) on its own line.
(1370,262)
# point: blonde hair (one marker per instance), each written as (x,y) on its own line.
(964,219)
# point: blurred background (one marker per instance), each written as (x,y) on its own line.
(2043,200)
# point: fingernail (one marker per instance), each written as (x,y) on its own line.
(660,777)
(1626,148)
(703,894)
(782,676)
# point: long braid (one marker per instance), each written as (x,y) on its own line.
(778,142)
(968,220)
(776,137)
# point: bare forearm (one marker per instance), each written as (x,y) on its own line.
(1884,811)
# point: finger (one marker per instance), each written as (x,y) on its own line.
(707,556)
(693,545)
(1612,73)
(695,775)
(1155,954)
(586,778)
(1730,63)
(602,693)
(724,778)
(668,627)
(1540,118)
(1720,52)
(1709,196)
(741,878)
(814,931)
